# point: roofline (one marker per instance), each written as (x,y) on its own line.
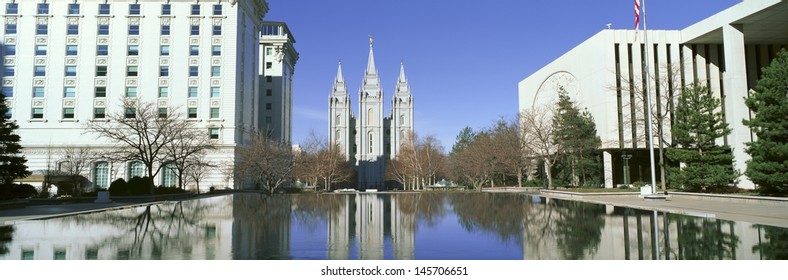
(728,16)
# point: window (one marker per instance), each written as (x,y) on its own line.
(41,50)
(102,50)
(217,10)
(269,120)
(164,50)
(134,50)
(217,30)
(164,92)
(194,50)
(268,106)
(214,113)
(101,174)
(101,91)
(195,9)
(68,113)
(103,29)
(269,51)
(129,113)
(11,8)
(164,71)
(101,71)
(192,92)
(9,114)
(72,29)
(38,92)
(169,176)
(193,71)
(99,113)
(42,29)
(10,28)
(136,169)
(192,113)
(134,29)
(131,92)
(103,9)
(37,113)
(215,92)
(371,137)
(165,30)
(8,71)
(269,79)
(8,91)
(162,112)
(268,65)
(269,92)
(213,133)
(43,9)
(166,9)
(131,71)
(216,50)
(71,49)
(73,9)
(195,30)
(69,92)
(216,71)
(39,71)
(59,255)
(134,9)
(71,71)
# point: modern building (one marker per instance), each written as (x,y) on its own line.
(605,75)
(370,138)
(277,67)
(68,63)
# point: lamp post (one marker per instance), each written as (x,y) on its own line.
(626,158)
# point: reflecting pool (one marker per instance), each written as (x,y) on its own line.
(472,226)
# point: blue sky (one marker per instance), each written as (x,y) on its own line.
(463,59)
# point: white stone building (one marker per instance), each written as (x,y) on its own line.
(66,63)
(725,51)
(279,57)
(370,138)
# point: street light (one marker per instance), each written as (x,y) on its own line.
(626,158)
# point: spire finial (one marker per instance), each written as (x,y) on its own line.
(370,41)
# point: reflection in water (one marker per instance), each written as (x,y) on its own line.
(381,226)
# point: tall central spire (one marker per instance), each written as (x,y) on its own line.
(371,61)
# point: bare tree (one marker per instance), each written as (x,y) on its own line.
(320,162)
(509,149)
(265,161)
(419,162)
(75,164)
(474,164)
(187,148)
(198,168)
(537,129)
(141,133)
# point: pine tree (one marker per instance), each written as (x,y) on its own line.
(12,162)
(769,103)
(697,125)
(575,132)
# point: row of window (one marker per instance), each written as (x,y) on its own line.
(101,71)
(101,92)
(103,50)
(104,9)
(101,113)
(103,29)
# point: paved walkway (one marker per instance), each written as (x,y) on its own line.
(9,216)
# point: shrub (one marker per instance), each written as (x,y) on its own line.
(15,191)
(139,186)
(119,187)
(168,190)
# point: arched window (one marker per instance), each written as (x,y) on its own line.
(136,169)
(402,119)
(101,174)
(169,176)
(339,119)
(371,137)
(370,117)
(338,135)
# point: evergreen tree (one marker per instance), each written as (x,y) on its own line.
(12,162)
(769,164)
(575,133)
(464,139)
(697,125)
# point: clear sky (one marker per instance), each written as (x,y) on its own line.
(463,59)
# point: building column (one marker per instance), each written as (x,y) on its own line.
(735,85)
(607,163)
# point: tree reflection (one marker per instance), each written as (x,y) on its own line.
(578,228)
(704,239)
(310,208)
(6,235)
(261,226)
(429,207)
(499,214)
(775,245)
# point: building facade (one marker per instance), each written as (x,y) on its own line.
(605,75)
(67,63)
(369,139)
(277,67)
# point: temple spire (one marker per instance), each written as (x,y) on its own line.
(339,82)
(402,72)
(371,60)
(403,88)
(339,78)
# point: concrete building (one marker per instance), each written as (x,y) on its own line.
(67,63)
(725,51)
(370,138)
(276,80)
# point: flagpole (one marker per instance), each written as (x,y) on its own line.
(648,100)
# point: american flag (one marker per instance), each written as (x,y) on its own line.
(637,15)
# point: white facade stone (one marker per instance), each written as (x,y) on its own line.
(276,80)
